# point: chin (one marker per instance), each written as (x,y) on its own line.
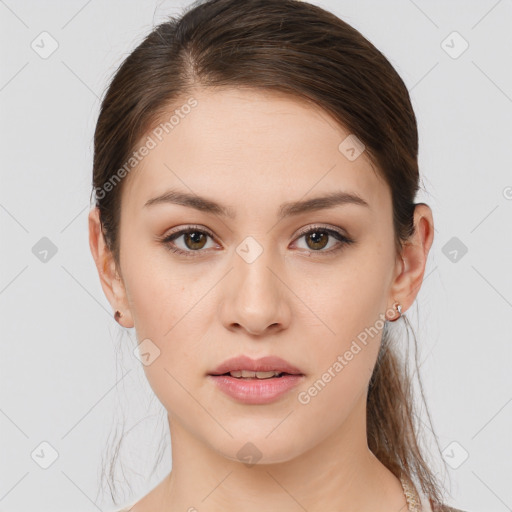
(258,450)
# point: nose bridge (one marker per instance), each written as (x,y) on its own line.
(258,299)
(252,270)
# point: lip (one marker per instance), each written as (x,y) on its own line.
(264,364)
(256,391)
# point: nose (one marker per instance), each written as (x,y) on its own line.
(256,299)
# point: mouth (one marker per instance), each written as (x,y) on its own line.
(243,367)
(256,382)
(248,375)
(254,390)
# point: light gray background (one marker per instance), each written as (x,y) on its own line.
(62,380)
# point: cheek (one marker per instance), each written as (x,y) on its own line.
(167,311)
(358,323)
(344,365)
(162,295)
(352,306)
(335,394)
(172,378)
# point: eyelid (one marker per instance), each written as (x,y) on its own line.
(303,231)
(311,227)
(188,227)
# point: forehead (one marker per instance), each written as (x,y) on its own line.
(239,145)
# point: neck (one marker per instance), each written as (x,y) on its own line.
(338,473)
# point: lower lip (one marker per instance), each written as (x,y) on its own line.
(256,391)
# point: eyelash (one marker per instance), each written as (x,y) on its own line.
(167,240)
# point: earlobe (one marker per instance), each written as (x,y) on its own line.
(397,312)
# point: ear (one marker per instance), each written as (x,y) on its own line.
(110,277)
(410,267)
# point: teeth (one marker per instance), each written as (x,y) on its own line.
(258,375)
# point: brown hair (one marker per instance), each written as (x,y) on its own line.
(302,50)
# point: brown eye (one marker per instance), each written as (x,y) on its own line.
(188,242)
(194,240)
(318,239)
(323,240)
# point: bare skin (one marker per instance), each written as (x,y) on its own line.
(252,151)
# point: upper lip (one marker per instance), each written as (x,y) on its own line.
(264,364)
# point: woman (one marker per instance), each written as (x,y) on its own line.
(255,171)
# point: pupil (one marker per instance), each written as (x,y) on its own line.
(318,237)
(195,237)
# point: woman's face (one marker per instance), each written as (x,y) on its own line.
(249,280)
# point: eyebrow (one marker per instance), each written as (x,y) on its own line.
(287,209)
